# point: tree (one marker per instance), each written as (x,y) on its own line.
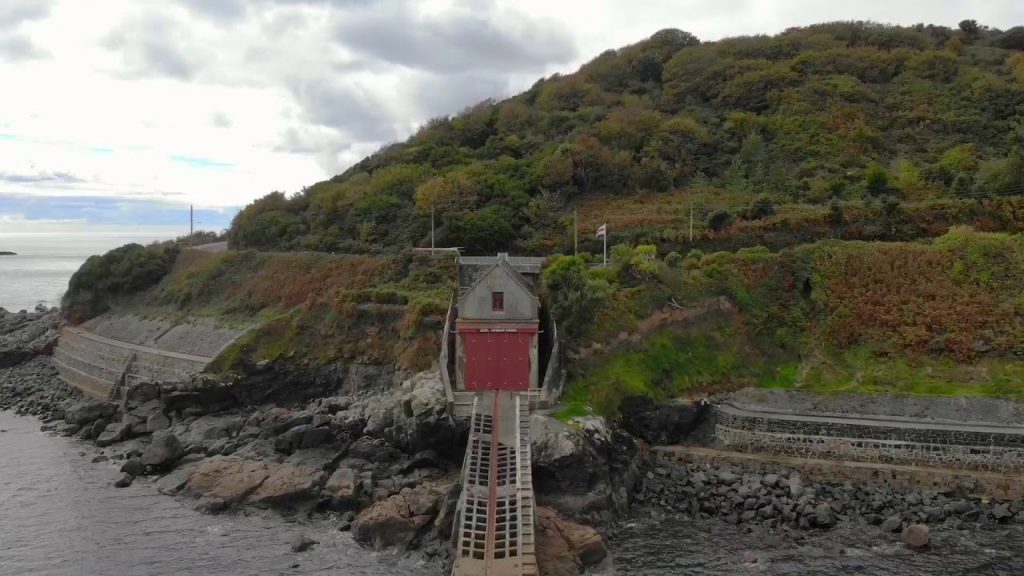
(644,261)
(483,232)
(451,192)
(1002,176)
(720,220)
(762,208)
(573,297)
(970,29)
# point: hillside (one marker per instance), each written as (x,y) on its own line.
(943,317)
(841,130)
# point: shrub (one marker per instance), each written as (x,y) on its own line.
(125,270)
(720,220)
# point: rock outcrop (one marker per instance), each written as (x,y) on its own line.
(401,519)
(566,548)
(24,335)
(585,468)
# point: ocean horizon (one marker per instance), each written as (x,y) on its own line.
(44,262)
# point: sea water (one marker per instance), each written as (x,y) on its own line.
(44,262)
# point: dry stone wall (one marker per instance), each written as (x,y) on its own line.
(872,439)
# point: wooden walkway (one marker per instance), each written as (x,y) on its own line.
(494,526)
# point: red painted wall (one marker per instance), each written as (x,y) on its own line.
(497,360)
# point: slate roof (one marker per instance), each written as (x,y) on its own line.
(523,264)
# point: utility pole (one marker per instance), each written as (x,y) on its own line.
(575,232)
(691,221)
(431,228)
(191,224)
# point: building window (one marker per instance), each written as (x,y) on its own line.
(497,301)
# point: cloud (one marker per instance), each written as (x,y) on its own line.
(41,178)
(477,38)
(156,44)
(14,12)
(220,120)
(343,106)
(16,46)
(220,10)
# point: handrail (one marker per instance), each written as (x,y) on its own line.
(442,358)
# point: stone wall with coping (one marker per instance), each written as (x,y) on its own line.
(997,486)
(869,439)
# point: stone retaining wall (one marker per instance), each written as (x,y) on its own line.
(873,439)
(97,365)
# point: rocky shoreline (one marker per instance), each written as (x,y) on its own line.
(774,499)
(383,464)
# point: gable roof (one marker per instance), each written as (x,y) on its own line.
(502,262)
(522,264)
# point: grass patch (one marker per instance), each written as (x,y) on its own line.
(673,362)
(860,370)
(572,410)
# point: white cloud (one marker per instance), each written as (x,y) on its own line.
(217,102)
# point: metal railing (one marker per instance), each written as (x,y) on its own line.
(442,359)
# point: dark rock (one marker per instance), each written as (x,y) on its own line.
(139,394)
(302,543)
(163,451)
(157,421)
(133,467)
(112,434)
(1001,512)
(823,515)
(124,481)
(662,423)
(891,524)
(88,411)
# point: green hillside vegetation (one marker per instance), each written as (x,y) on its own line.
(940,317)
(307,308)
(844,130)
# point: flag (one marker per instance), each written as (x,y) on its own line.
(602,231)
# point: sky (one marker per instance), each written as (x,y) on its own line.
(123,113)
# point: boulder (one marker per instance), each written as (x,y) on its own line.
(172,483)
(344,488)
(113,433)
(163,451)
(565,548)
(916,536)
(398,519)
(134,467)
(823,515)
(796,486)
(287,485)
(124,481)
(207,430)
(226,479)
(1001,512)
(891,524)
(582,468)
(302,543)
(157,421)
(88,411)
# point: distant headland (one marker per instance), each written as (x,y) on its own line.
(2,253)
